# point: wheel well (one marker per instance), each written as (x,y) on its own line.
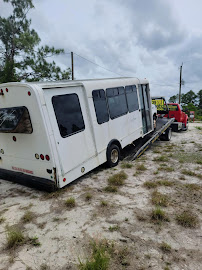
(116,142)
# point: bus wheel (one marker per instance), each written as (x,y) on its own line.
(113,155)
(167,136)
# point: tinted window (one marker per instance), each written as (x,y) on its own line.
(100,104)
(68,114)
(132,100)
(15,120)
(116,101)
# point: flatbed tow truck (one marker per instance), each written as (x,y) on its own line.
(162,131)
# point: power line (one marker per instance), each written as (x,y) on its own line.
(98,65)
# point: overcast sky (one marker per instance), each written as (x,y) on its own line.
(141,38)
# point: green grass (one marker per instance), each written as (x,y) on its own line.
(165,183)
(159,199)
(126,165)
(189,157)
(99,259)
(188,172)
(113,228)
(117,179)
(2,219)
(166,248)
(103,203)
(166,169)
(187,219)
(158,215)
(192,187)
(111,189)
(34,241)
(14,237)
(150,184)
(27,217)
(70,203)
(199,128)
(141,167)
(88,196)
(161,158)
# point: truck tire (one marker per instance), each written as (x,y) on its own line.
(167,136)
(113,155)
(186,127)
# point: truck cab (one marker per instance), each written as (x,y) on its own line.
(181,118)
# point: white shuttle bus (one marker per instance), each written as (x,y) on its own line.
(54,132)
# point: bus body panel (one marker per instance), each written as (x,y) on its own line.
(19,155)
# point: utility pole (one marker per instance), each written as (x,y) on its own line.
(180,83)
(72,58)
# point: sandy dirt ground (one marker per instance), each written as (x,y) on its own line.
(57,236)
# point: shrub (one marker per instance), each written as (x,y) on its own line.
(110,189)
(158,215)
(14,237)
(27,217)
(187,219)
(159,199)
(70,203)
(117,179)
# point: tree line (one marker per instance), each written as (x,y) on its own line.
(191,101)
(21,56)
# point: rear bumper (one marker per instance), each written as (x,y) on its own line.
(28,180)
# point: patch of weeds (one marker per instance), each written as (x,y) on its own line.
(188,172)
(165,247)
(156,151)
(192,187)
(159,199)
(199,128)
(126,165)
(70,203)
(14,237)
(141,167)
(44,266)
(56,219)
(187,219)
(54,194)
(103,203)
(189,157)
(182,177)
(166,268)
(199,162)
(183,142)
(161,158)
(156,172)
(147,256)
(150,184)
(126,219)
(27,217)
(34,241)
(113,228)
(88,196)
(2,219)
(117,179)
(158,215)
(99,259)
(165,183)
(167,169)
(111,189)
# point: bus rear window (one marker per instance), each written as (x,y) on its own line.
(15,120)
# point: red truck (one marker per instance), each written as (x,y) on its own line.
(181,118)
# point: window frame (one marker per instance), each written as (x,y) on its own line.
(107,108)
(131,85)
(57,118)
(116,87)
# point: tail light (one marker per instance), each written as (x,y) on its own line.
(47,157)
(42,157)
(14,138)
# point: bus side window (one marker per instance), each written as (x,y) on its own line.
(117,102)
(132,100)
(68,114)
(100,105)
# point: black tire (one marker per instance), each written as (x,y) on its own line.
(186,127)
(167,136)
(113,155)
